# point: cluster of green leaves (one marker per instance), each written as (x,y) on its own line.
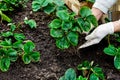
(70,74)
(88,69)
(86,19)
(115,52)
(48,6)
(13,45)
(66,28)
(9,5)
(89,72)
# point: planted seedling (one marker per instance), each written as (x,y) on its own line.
(13,45)
(70,74)
(48,6)
(64,29)
(90,71)
(87,19)
(115,52)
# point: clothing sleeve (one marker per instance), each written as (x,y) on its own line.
(104,5)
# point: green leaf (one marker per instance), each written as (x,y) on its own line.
(5,17)
(70,74)
(37,4)
(18,44)
(56,33)
(76,29)
(99,72)
(12,54)
(49,8)
(62,8)
(31,23)
(7,42)
(29,46)
(66,25)
(110,50)
(26,58)
(92,1)
(85,11)
(93,77)
(81,78)
(35,56)
(93,20)
(62,78)
(63,15)
(46,2)
(59,2)
(84,25)
(6,34)
(12,27)
(19,36)
(84,65)
(2,52)
(117,62)
(73,38)
(62,43)
(4,64)
(56,23)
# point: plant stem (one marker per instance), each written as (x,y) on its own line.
(108,37)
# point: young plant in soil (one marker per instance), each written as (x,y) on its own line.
(8,6)
(115,52)
(48,6)
(87,19)
(89,72)
(12,46)
(66,28)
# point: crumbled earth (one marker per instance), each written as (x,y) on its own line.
(54,62)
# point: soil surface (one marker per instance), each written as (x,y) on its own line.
(54,62)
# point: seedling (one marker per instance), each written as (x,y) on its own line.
(89,72)
(48,6)
(66,28)
(13,45)
(115,52)
(87,19)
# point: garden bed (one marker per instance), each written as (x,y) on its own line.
(54,62)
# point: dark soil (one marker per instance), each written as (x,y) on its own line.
(54,62)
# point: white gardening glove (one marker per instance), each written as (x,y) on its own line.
(98,34)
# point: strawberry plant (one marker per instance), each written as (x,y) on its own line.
(13,45)
(115,52)
(70,74)
(86,19)
(66,28)
(89,72)
(10,5)
(48,6)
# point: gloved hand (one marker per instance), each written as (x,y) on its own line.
(98,34)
